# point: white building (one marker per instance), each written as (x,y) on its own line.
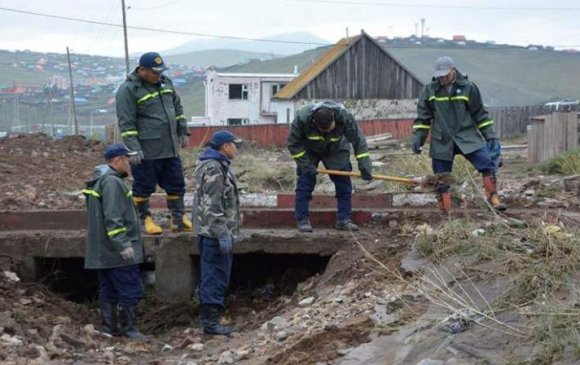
(245,98)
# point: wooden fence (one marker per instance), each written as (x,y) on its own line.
(511,121)
(550,135)
(275,135)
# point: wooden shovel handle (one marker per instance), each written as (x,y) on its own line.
(405,180)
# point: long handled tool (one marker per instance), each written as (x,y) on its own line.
(404,180)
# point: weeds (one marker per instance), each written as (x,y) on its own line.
(565,164)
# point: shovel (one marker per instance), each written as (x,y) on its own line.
(404,180)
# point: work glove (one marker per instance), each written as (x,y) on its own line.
(184,141)
(226,244)
(494,148)
(136,159)
(128,253)
(308,170)
(365,168)
(418,142)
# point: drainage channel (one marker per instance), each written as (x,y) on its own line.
(255,274)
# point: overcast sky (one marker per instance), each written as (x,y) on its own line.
(522,25)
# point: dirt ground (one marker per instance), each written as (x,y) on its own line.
(380,300)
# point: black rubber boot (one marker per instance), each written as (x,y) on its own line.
(304,225)
(128,317)
(209,316)
(346,225)
(109,318)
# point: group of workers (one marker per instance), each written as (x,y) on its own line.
(154,129)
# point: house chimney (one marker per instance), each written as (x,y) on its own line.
(295,72)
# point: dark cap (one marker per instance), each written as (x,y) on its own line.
(221,137)
(153,61)
(443,65)
(114,150)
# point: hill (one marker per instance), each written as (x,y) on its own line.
(218,57)
(304,41)
(506,76)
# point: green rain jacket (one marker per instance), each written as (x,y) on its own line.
(458,117)
(112,223)
(150,117)
(308,145)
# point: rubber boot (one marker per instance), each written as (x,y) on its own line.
(149,225)
(209,316)
(444,202)
(109,318)
(178,221)
(304,225)
(128,319)
(346,225)
(489,184)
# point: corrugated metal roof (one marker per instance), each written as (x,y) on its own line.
(311,72)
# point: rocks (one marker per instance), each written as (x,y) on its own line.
(277,323)
(226,357)
(196,347)
(11,276)
(306,302)
(431,362)
(281,336)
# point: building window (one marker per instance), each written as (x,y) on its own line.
(238,91)
(276,88)
(238,121)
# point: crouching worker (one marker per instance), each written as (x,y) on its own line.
(216,217)
(114,246)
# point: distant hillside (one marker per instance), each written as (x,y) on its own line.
(506,76)
(252,46)
(217,57)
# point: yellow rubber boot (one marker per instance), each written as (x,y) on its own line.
(187,225)
(142,205)
(179,221)
(150,226)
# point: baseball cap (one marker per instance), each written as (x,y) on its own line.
(114,150)
(442,66)
(153,61)
(221,137)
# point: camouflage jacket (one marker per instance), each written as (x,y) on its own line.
(216,204)
(150,117)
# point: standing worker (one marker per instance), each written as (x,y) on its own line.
(324,132)
(217,221)
(114,245)
(451,108)
(152,123)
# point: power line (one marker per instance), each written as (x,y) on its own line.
(438,6)
(159,30)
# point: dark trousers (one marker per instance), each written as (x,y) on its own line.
(305,187)
(122,285)
(480,159)
(165,172)
(215,270)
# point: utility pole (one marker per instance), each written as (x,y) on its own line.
(72,93)
(125,34)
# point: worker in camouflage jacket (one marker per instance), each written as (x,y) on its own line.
(114,246)
(451,108)
(152,123)
(216,216)
(324,132)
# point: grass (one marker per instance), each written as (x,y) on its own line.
(565,164)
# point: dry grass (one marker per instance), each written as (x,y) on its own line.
(540,264)
(565,164)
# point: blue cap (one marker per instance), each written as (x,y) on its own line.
(221,137)
(114,150)
(153,61)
